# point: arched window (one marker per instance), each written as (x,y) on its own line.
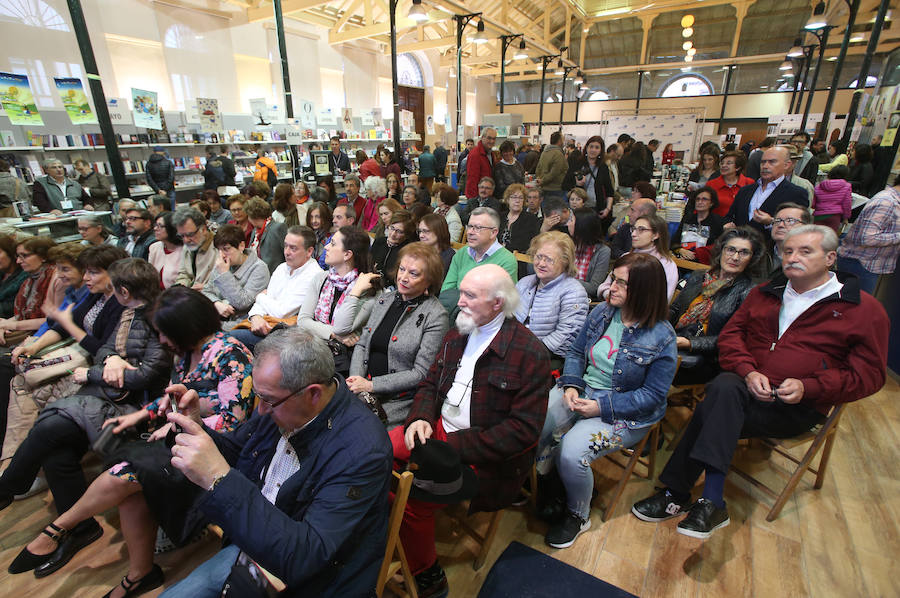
(598,95)
(686,85)
(36,13)
(409,72)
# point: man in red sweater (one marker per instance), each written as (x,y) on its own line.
(480,161)
(799,344)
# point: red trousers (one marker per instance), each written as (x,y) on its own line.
(417,529)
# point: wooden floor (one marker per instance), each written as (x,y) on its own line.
(837,541)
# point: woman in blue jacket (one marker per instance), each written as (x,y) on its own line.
(613,387)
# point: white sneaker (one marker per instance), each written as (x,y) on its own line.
(39,485)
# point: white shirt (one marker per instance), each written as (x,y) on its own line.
(490,251)
(283,465)
(793,304)
(761,195)
(457,405)
(286,290)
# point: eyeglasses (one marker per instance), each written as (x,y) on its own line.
(23,256)
(423,231)
(486,187)
(397,230)
(191,234)
(786,221)
(517,196)
(133,218)
(475,228)
(275,403)
(732,251)
(641,229)
(540,257)
(158,226)
(702,198)
(619,282)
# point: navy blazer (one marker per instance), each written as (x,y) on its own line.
(785,192)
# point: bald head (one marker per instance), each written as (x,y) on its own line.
(641,207)
(775,163)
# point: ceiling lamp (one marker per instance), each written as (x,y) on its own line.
(817,20)
(858,37)
(480,37)
(559,69)
(689,59)
(687,45)
(692,51)
(521,55)
(687,21)
(579,78)
(786,66)
(796,51)
(417,11)
(687,32)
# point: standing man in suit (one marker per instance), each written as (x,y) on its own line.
(756,204)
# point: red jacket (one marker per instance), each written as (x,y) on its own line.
(358,206)
(508,407)
(837,348)
(478,165)
(726,193)
(369,168)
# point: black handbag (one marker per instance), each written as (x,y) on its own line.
(342,354)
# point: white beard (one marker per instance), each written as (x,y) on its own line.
(465,324)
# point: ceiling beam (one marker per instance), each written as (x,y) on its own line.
(346,16)
(741,9)
(354,33)
(311,19)
(222,14)
(265,11)
(659,8)
(431,44)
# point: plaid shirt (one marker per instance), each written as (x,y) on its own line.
(508,406)
(874,239)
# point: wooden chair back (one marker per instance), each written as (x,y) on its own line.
(394,557)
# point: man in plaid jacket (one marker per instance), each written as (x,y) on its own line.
(485,395)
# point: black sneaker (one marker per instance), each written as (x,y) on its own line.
(432,582)
(659,507)
(564,533)
(703,519)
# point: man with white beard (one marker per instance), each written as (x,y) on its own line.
(199,253)
(486,396)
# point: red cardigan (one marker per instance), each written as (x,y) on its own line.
(837,348)
(726,193)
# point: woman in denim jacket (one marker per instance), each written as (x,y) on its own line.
(614,386)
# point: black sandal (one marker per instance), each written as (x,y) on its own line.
(27,561)
(151,581)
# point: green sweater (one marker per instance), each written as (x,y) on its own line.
(462,262)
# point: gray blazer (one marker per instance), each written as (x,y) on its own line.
(271,244)
(416,340)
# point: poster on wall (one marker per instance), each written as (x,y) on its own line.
(406,120)
(307,114)
(75,101)
(145,105)
(429,125)
(366,119)
(325,116)
(210,117)
(890,133)
(18,101)
(377,120)
(347,118)
(119,111)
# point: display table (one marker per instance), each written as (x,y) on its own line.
(60,228)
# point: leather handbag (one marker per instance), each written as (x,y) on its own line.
(52,362)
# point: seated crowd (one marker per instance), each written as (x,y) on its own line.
(263,367)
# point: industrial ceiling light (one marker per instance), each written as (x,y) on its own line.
(691,51)
(559,69)
(417,11)
(786,66)
(687,21)
(687,45)
(796,51)
(689,59)
(687,32)
(480,37)
(858,37)
(817,20)
(521,55)
(685,69)
(579,78)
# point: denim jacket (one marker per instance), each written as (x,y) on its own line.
(644,368)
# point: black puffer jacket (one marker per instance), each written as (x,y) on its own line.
(142,350)
(725,303)
(160,173)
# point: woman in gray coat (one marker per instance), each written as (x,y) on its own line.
(237,278)
(403,334)
(268,236)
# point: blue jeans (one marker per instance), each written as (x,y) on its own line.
(206,581)
(246,336)
(171,194)
(867,280)
(571,443)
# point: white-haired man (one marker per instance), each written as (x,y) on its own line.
(799,344)
(486,396)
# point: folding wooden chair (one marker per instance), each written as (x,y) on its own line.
(634,457)
(822,438)
(484,540)
(394,557)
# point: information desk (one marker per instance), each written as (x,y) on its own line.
(60,228)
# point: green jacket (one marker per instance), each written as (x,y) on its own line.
(551,168)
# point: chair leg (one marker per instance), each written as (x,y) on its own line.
(408,578)
(654,442)
(795,478)
(488,540)
(823,462)
(629,468)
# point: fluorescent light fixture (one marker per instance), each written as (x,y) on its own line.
(786,66)
(685,69)
(858,37)
(521,55)
(452,73)
(831,58)
(417,11)
(687,45)
(613,11)
(480,37)
(687,32)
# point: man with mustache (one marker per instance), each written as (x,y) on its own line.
(799,344)
(486,396)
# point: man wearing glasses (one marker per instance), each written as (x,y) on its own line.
(484,199)
(483,248)
(480,162)
(199,255)
(302,487)
(138,233)
(788,216)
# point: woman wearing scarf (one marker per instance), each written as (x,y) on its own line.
(337,309)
